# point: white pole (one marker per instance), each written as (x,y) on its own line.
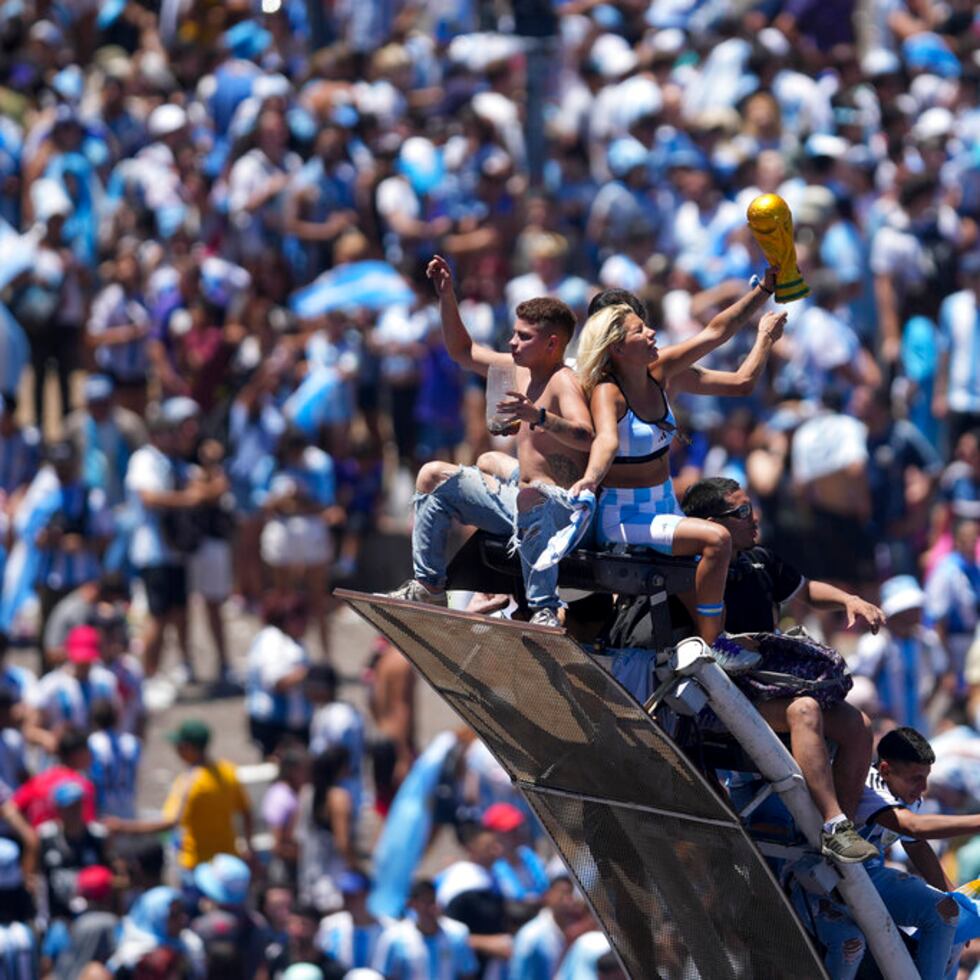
(780,768)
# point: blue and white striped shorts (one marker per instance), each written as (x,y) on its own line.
(644,516)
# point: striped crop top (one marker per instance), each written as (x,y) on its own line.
(641,441)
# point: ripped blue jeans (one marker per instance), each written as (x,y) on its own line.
(911,902)
(469,498)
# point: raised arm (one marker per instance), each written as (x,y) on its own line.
(459,344)
(823,595)
(675,358)
(607,404)
(702,381)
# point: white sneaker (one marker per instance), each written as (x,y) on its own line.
(545,617)
(412,591)
(182,675)
(732,658)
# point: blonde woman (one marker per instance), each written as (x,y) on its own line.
(625,378)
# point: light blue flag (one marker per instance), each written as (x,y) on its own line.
(406,831)
(40,503)
(372,285)
(320,400)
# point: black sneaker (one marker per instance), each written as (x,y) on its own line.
(846,845)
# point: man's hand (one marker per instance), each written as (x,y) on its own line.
(442,279)
(856,608)
(772,324)
(582,486)
(517,407)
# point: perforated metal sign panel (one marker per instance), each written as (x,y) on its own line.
(674,881)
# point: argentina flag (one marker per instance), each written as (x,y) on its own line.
(372,285)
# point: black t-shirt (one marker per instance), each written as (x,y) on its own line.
(758,581)
(62,859)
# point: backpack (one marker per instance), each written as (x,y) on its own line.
(793,665)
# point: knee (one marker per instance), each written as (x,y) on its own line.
(949,910)
(717,543)
(853,950)
(803,711)
(432,475)
(529,498)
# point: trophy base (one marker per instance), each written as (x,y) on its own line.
(789,292)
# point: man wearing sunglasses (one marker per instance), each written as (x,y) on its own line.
(759,581)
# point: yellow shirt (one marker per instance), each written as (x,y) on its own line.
(204,801)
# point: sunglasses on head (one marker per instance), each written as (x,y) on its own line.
(740,512)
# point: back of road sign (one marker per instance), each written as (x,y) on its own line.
(673,879)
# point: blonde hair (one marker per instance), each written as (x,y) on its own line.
(602,330)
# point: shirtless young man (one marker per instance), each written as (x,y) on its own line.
(553,444)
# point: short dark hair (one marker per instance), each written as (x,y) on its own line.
(618,297)
(70,741)
(421,887)
(279,607)
(324,675)
(103,714)
(707,497)
(905,745)
(547,310)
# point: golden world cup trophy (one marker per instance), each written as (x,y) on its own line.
(772,226)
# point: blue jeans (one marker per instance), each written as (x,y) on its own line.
(837,932)
(911,902)
(468,498)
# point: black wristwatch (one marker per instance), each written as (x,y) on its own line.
(540,422)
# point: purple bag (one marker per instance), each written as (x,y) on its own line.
(793,665)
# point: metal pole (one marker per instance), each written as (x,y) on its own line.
(780,768)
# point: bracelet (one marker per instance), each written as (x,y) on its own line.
(763,288)
(756,281)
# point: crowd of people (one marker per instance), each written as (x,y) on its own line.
(222,365)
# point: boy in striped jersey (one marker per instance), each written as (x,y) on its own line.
(889,811)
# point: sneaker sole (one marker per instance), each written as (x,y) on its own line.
(840,859)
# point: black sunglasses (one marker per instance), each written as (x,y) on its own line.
(740,512)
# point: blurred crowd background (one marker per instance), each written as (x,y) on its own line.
(220,365)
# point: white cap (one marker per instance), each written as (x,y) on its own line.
(166,119)
(901,593)
(774,41)
(671,40)
(825,145)
(621,272)
(612,56)
(933,124)
(49,198)
(880,61)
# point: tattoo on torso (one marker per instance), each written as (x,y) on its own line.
(563,469)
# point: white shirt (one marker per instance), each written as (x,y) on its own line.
(272,655)
(151,471)
(828,444)
(959,323)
